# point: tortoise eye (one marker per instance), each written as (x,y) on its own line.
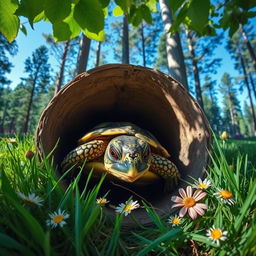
(113,153)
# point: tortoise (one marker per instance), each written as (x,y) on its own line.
(125,151)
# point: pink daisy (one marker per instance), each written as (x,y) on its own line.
(189,202)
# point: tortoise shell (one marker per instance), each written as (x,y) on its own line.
(109,130)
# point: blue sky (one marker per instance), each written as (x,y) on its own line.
(34,39)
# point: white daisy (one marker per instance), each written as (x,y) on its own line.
(202,184)
(225,196)
(175,220)
(31,198)
(102,201)
(57,218)
(216,234)
(127,207)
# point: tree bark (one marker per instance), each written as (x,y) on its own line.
(249,47)
(125,41)
(195,69)
(98,54)
(175,58)
(27,117)
(62,68)
(83,54)
(249,90)
(252,83)
(143,45)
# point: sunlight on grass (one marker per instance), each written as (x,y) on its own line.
(40,217)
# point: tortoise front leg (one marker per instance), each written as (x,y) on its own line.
(165,169)
(84,153)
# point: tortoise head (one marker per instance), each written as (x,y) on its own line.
(127,157)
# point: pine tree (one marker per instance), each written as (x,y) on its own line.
(175,58)
(200,59)
(65,53)
(231,103)
(237,50)
(161,59)
(83,54)
(5,68)
(211,107)
(143,49)
(38,71)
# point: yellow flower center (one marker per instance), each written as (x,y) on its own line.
(102,201)
(216,234)
(202,186)
(189,201)
(58,218)
(176,221)
(226,194)
(128,207)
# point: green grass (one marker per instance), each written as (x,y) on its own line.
(90,230)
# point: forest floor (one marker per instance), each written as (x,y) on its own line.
(40,217)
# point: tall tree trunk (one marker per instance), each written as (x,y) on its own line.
(125,41)
(249,47)
(249,91)
(175,57)
(98,54)
(27,117)
(143,45)
(195,69)
(233,116)
(83,54)
(2,120)
(62,68)
(253,84)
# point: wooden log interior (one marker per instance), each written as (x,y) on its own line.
(144,96)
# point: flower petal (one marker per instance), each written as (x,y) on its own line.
(197,193)
(177,205)
(192,213)
(199,210)
(183,211)
(182,193)
(200,196)
(203,206)
(176,199)
(189,191)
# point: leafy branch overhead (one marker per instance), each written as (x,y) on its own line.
(70,17)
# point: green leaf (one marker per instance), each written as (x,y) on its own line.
(98,37)
(174,5)
(202,239)
(171,235)
(23,29)
(104,3)
(179,19)
(78,226)
(66,29)
(198,12)
(146,14)
(151,4)
(135,16)
(118,11)
(39,17)
(57,10)
(30,9)
(61,31)
(89,15)
(124,4)
(9,23)
(8,242)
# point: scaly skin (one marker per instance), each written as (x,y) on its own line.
(94,149)
(84,153)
